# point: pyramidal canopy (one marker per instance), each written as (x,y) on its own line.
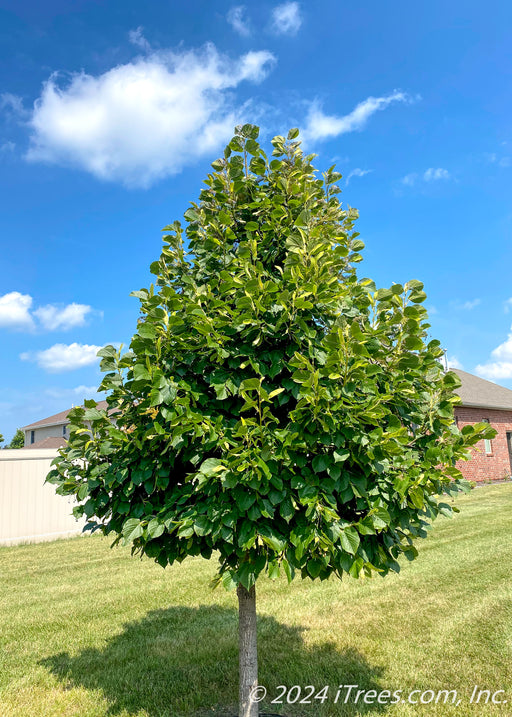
(273,407)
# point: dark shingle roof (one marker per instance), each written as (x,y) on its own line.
(478,392)
(61,417)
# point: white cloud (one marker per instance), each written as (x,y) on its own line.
(507,305)
(468,305)
(321,126)
(286,19)
(432,175)
(15,311)
(357,173)
(238,21)
(493,158)
(54,318)
(7,147)
(144,120)
(495,370)
(12,103)
(503,352)
(138,39)
(410,179)
(429,175)
(63,357)
(453,362)
(79,392)
(501,367)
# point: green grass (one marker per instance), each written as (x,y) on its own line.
(86,631)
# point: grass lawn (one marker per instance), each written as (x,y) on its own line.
(86,631)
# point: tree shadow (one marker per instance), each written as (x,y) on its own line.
(183,662)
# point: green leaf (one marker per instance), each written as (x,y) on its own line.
(286,509)
(250,384)
(276,392)
(247,534)
(140,372)
(251,131)
(380,518)
(350,540)
(211,467)
(413,343)
(288,570)
(202,525)
(229,581)
(257,165)
(417,497)
(244,500)
(341,456)
(147,331)
(273,540)
(273,570)
(155,528)
(418,296)
(445,509)
(315,567)
(132,529)
(92,414)
(252,147)
(320,463)
(186,531)
(108,351)
(191,215)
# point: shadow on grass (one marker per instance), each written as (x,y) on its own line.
(183,662)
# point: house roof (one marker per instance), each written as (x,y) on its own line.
(50,442)
(56,419)
(479,393)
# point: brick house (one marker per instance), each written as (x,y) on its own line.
(486,401)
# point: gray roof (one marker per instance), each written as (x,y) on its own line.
(49,442)
(478,392)
(57,418)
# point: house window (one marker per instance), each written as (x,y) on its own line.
(32,436)
(64,430)
(487,442)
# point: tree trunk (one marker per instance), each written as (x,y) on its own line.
(248,651)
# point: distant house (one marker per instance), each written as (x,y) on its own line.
(51,432)
(486,401)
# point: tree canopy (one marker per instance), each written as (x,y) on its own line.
(18,440)
(273,406)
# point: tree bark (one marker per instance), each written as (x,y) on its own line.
(248,651)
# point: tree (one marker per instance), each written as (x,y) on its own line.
(18,440)
(272,407)
(1,438)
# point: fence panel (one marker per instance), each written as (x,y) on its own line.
(30,510)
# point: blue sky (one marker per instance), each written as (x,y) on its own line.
(110,114)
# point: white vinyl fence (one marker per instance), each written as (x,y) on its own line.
(30,510)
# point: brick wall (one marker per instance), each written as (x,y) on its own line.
(482,466)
